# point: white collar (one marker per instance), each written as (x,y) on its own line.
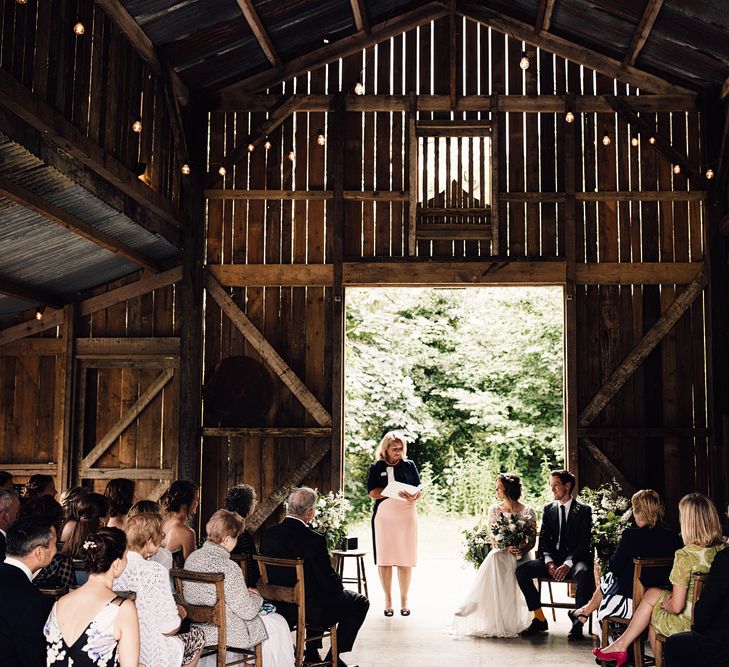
(567,505)
(21,566)
(133,555)
(3,532)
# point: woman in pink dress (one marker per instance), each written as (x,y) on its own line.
(394,520)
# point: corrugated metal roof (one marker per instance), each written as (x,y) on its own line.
(40,254)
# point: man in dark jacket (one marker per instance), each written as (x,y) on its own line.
(9,506)
(327,602)
(31,544)
(706,645)
(564,551)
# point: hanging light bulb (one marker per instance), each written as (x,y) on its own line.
(251,147)
(569,117)
(291,156)
(634,141)
(267,144)
(651,140)
(137,126)
(358,88)
(222,171)
(79,28)
(21,2)
(320,138)
(676,168)
(185,169)
(709,174)
(606,141)
(39,310)
(524,62)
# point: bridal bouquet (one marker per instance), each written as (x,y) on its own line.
(611,515)
(513,530)
(478,544)
(332,518)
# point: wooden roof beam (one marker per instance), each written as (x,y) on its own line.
(339,49)
(27,293)
(544,16)
(116,11)
(359,11)
(259,32)
(642,31)
(71,223)
(567,49)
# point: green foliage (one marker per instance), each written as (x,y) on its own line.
(611,515)
(475,375)
(477,544)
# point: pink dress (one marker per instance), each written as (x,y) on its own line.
(396,531)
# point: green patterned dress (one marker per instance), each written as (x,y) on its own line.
(690,560)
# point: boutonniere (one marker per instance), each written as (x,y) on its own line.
(575,507)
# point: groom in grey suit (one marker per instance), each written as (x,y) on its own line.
(564,551)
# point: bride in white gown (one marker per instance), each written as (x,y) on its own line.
(495,606)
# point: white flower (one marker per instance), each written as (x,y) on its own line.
(512,527)
(89,544)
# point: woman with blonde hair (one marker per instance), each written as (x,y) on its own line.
(159,616)
(394,520)
(247,623)
(669,612)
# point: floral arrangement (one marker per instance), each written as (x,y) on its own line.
(477,543)
(512,530)
(332,518)
(611,515)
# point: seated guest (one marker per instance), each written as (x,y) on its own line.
(59,572)
(69,503)
(327,602)
(93,513)
(246,623)
(9,505)
(179,504)
(39,485)
(163,555)
(564,551)
(121,494)
(669,612)
(31,544)
(705,645)
(6,481)
(649,540)
(725,525)
(241,498)
(159,616)
(103,625)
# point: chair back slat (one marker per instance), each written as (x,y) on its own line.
(699,581)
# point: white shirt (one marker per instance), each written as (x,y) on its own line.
(567,506)
(21,566)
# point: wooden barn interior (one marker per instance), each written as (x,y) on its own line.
(183,184)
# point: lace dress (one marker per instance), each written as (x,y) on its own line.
(495,606)
(95,646)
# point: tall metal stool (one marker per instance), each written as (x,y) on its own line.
(361,578)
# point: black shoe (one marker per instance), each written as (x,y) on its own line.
(340,662)
(311,655)
(575,634)
(535,628)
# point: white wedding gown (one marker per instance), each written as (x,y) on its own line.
(495,606)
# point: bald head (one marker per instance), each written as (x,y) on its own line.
(301,502)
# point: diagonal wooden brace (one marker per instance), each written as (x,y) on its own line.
(606,463)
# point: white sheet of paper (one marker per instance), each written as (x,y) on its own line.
(392,490)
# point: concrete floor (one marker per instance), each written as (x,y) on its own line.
(422,639)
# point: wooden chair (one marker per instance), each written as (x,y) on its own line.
(640,565)
(558,605)
(54,593)
(80,571)
(178,558)
(214,615)
(699,581)
(295,594)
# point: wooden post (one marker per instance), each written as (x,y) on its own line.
(495,166)
(64,399)
(414,184)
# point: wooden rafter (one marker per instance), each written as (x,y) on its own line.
(267,432)
(359,11)
(272,358)
(71,223)
(570,50)
(639,353)
(142,44)
(341,48)
(27,293)
(17,99)
(259,31)
(642,31)
(544,16)
(173,109)
(627,113)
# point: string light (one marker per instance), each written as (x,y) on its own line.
(222,171)
(358,88)
(185,169)
(320,138)
(569,117)
(634,141)
(709,174)
(524,62)
(267,144)
(40,309)
(21,2)
(79,29)
(291,156)
(676,168)
(137,126)
(606,141)
(651,140)
(140,169)
(251,147)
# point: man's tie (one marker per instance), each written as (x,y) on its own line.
(562,526)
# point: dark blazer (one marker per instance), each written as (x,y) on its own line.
(658,542)
(711,613)
(292,539)
(23,613)
(247,547)
(577,543)
(2,547)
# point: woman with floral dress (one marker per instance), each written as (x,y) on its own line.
(92,626)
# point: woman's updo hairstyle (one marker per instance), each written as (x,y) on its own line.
(240,498)
(512,485)
(35,486)
(120,494)
(102,548)
(92,508)
(181,494)
(70,499)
